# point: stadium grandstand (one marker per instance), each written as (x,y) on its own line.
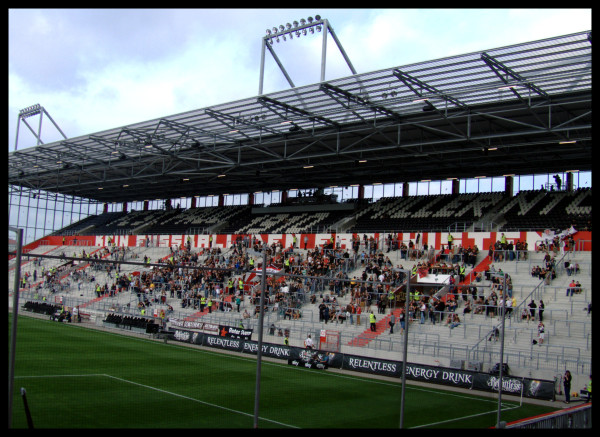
(470,176)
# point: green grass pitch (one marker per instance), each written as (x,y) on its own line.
(77,377)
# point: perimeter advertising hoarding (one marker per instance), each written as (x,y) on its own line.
(529,388)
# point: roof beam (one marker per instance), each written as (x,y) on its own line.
(416,86)
(333,91)
(267,102)
(498,67)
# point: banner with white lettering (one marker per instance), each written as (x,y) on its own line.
(230,344)
(268,350)
(439,375)
(529,388)
(194,325)
(186,336)
(314,359)
(372,365)
(233,332)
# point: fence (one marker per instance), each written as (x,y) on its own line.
(576,417)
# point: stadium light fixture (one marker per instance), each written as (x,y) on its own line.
(31,111)
(295,28)
(299,28)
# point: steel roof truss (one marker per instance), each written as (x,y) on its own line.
(497,67)
(332,90)
(415,84)
(266,102)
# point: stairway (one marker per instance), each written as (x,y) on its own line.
(367,336)
(381,326)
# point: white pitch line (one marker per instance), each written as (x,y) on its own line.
(162,391)
(461,418)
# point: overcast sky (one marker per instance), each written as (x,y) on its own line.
(97,69)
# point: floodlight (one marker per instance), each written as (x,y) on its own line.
(302,21)
(30,111)
(281,27)
(288,25)
(295,23)
(268,31)
(274,30)
(317,17)
(310,19)
(311,30)
(318,28)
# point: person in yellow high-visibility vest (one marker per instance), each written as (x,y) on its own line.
(450,239)
(373,321)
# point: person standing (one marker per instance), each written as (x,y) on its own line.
(392,322)
(373,320)
(532,306)
(541,332)
(76,314)
(589,389)
(401,318)
(567,386)
(541,307)
(308,343)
